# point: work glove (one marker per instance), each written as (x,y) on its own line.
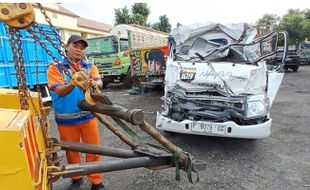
(92,89)
(80,80)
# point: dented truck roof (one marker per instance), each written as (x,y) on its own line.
(214,40)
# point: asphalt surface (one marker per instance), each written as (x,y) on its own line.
(281,161)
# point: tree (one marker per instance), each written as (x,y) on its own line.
(138,15)
(163,24)
(122,16)
(307,14)
(306,24)
(267,23)
(297,24)
(140,8)
(138,19)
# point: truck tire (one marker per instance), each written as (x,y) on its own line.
(285,68)
(105,83)
(295,69)
(128,80)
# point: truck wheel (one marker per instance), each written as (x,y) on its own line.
(105,83)
(285,68)
(127,79)
(295,69)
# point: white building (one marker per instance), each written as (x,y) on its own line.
(70,23)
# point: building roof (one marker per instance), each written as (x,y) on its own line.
(59,9)
(82,22)
(66,10)
(87,23)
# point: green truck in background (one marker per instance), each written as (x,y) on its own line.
(111,54)
(304,51)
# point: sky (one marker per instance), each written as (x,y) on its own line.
(188,11)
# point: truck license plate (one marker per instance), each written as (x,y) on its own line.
(213,128)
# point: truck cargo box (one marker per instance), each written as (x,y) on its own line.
(7,69)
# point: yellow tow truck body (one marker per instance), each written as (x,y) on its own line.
(23,162)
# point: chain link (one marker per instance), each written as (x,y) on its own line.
(54,30)
(15,42)
(42,117)
(24,93)
(47,50)
(37,38)
(31,30)
(49,39)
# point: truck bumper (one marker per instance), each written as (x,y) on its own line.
(113,72)
(231,129)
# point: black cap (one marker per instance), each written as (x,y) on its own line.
(77,38)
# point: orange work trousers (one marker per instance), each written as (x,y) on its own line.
(88,132)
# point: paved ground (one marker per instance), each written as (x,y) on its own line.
(281,161)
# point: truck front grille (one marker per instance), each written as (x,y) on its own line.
(104,65)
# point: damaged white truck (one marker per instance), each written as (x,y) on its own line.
(217,81)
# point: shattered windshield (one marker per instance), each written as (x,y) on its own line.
(216,42)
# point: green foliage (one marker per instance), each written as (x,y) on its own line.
(163,24)
(296,22)
(141,8)
(138,19)
(122,16)
(307,14)
(139,14)
(267,23)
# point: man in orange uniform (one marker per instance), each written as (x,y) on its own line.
(73,123)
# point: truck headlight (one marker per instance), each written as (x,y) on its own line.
(257,106)
(113,73)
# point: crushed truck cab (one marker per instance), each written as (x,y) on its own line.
(218,83)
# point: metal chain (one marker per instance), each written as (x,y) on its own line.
(51,158)
(15,42)
(49,39)
(48,51)
(37,38)
(54,30)
(42,117)
(23,91)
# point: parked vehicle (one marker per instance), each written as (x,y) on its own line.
(149,65)
(292,59)
(7,65)
(304,51)
(112,53)
(217,82)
